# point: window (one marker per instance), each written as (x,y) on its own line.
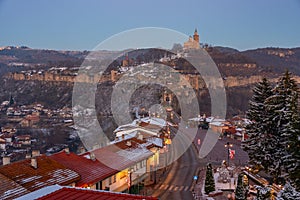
(112,179)
(99,185)
(123,174)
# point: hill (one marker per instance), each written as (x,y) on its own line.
(276,59)
(240,70)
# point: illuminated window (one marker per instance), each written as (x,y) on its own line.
(123,174)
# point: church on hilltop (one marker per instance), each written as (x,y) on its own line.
(193,42)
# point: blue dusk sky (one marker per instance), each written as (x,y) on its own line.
(83,24)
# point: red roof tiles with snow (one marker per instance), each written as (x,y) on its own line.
(9,189)
(48,172)
(84,194)
(122,155)
(90,171)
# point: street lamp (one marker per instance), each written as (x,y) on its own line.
(130,171)
(228,145)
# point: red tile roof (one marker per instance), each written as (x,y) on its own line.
(9,189)
(90,171)
(66,193)
(120,155)
(48,172)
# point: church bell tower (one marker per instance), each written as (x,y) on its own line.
(196,36)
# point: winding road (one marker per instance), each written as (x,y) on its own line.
(179,183)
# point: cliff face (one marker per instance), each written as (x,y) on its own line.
(232,81)
(195,80)
(276,60)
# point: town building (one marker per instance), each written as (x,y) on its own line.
(56,192)
(135,159)
(37,172)
(92,172)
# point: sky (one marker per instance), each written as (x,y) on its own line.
(83,24)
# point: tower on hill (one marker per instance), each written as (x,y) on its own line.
(196,36)
(193,42)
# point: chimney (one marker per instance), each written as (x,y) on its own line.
(128,143)
(34,163)
(92,156)
(140,136)
(67,150)
(6,160)
(35,153)
(123,136)
(82,150)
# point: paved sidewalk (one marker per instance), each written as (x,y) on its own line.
(161,174)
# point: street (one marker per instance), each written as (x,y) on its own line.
(178,183)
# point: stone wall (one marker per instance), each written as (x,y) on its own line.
(195,80)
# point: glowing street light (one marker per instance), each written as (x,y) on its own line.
(129,183)
(228,146)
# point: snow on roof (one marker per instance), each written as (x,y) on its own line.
(153,121)
(125,127)
(40,193)
(197,119)
(156,141)
(133,132)
(209,119)
(126,134)
(133,154)
(238,134)
(124,153)
(48,172)
(10,189)
(216,123)
(91,171)
(218,120)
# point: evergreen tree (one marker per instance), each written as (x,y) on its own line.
(209,180)
(288,193)
(292,161)
(282,107)
(263,193)
(11,100)
(241,190)
(258,131)
(274,136)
